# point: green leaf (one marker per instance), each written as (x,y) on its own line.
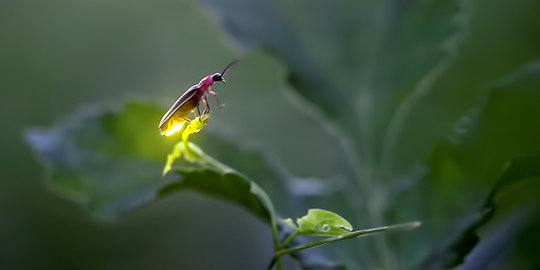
(479,63)
(503,126)
(254,163)
(454,253)
(289,222)
(108,160)
(352,59)
(111,161)
(322,222)
(191,168)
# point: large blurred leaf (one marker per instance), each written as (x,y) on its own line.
(361,64)
(111,162)
(355,60)
(478,64)
(454,253)
(502,127)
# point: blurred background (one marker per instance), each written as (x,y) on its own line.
(59,55)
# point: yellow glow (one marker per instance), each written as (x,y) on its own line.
(188,151)
(195,126)
(174,129)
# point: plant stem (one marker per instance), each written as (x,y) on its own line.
(288,240)
(272,262)
(275,237)
(261,193)
(397,227)
(275,234)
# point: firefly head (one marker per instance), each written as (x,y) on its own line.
(217,77)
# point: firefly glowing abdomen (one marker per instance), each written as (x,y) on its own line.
(180,110)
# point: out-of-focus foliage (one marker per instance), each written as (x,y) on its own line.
(495,131)
(108,161)
(356,61)
(429,100)
(87,154)
(373,81)
(520,169)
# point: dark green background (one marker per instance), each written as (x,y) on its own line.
(56,56)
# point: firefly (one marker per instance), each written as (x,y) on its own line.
(189,101)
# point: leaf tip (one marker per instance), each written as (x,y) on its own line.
(409,225)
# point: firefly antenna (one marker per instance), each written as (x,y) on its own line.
(228,67)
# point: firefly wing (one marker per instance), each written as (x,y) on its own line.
(186,96)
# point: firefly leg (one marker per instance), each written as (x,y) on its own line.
(198,110)
(206,105)
(221,105)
